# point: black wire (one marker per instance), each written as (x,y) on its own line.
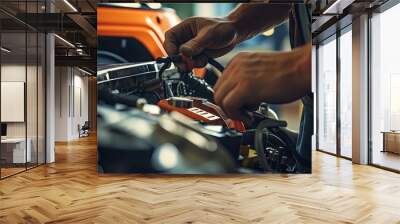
(216,64)
(178,58)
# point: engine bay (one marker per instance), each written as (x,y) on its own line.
(152,118)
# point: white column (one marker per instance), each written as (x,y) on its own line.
(50,97)
(50,92)
(360,90)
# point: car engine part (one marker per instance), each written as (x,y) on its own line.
(133,141)
(158,88)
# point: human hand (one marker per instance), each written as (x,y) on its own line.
(252,78)
(199,38)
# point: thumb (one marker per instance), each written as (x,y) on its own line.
(196,45)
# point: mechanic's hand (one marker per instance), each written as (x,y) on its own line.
(252,78)
(199,37)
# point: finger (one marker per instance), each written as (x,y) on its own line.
(195,46)
(220,82)
(233,103)
(200,61)
(170,44)
(215,53)
(226,74)
(217,36)
(177,35)
(226,86)
(181,66)
(198,43)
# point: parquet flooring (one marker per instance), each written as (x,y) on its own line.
(387,159)
(71,191)
(10,171)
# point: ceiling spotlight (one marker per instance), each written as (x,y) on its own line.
(65,41)
(5,50)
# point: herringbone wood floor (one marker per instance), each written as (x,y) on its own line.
(71,191)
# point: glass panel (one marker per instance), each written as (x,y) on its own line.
(41,99)
(346,94)
(31,98)
(13,86)
(14,7)
(314,86)
(32,89)
(385,85)
(327,97)
(23,82)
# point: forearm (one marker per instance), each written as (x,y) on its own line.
(253,18)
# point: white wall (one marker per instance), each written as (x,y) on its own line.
(81,103)
(61,103)
(33,126)
(12,73)
(71,102)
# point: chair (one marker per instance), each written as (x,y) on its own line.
(84,130)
